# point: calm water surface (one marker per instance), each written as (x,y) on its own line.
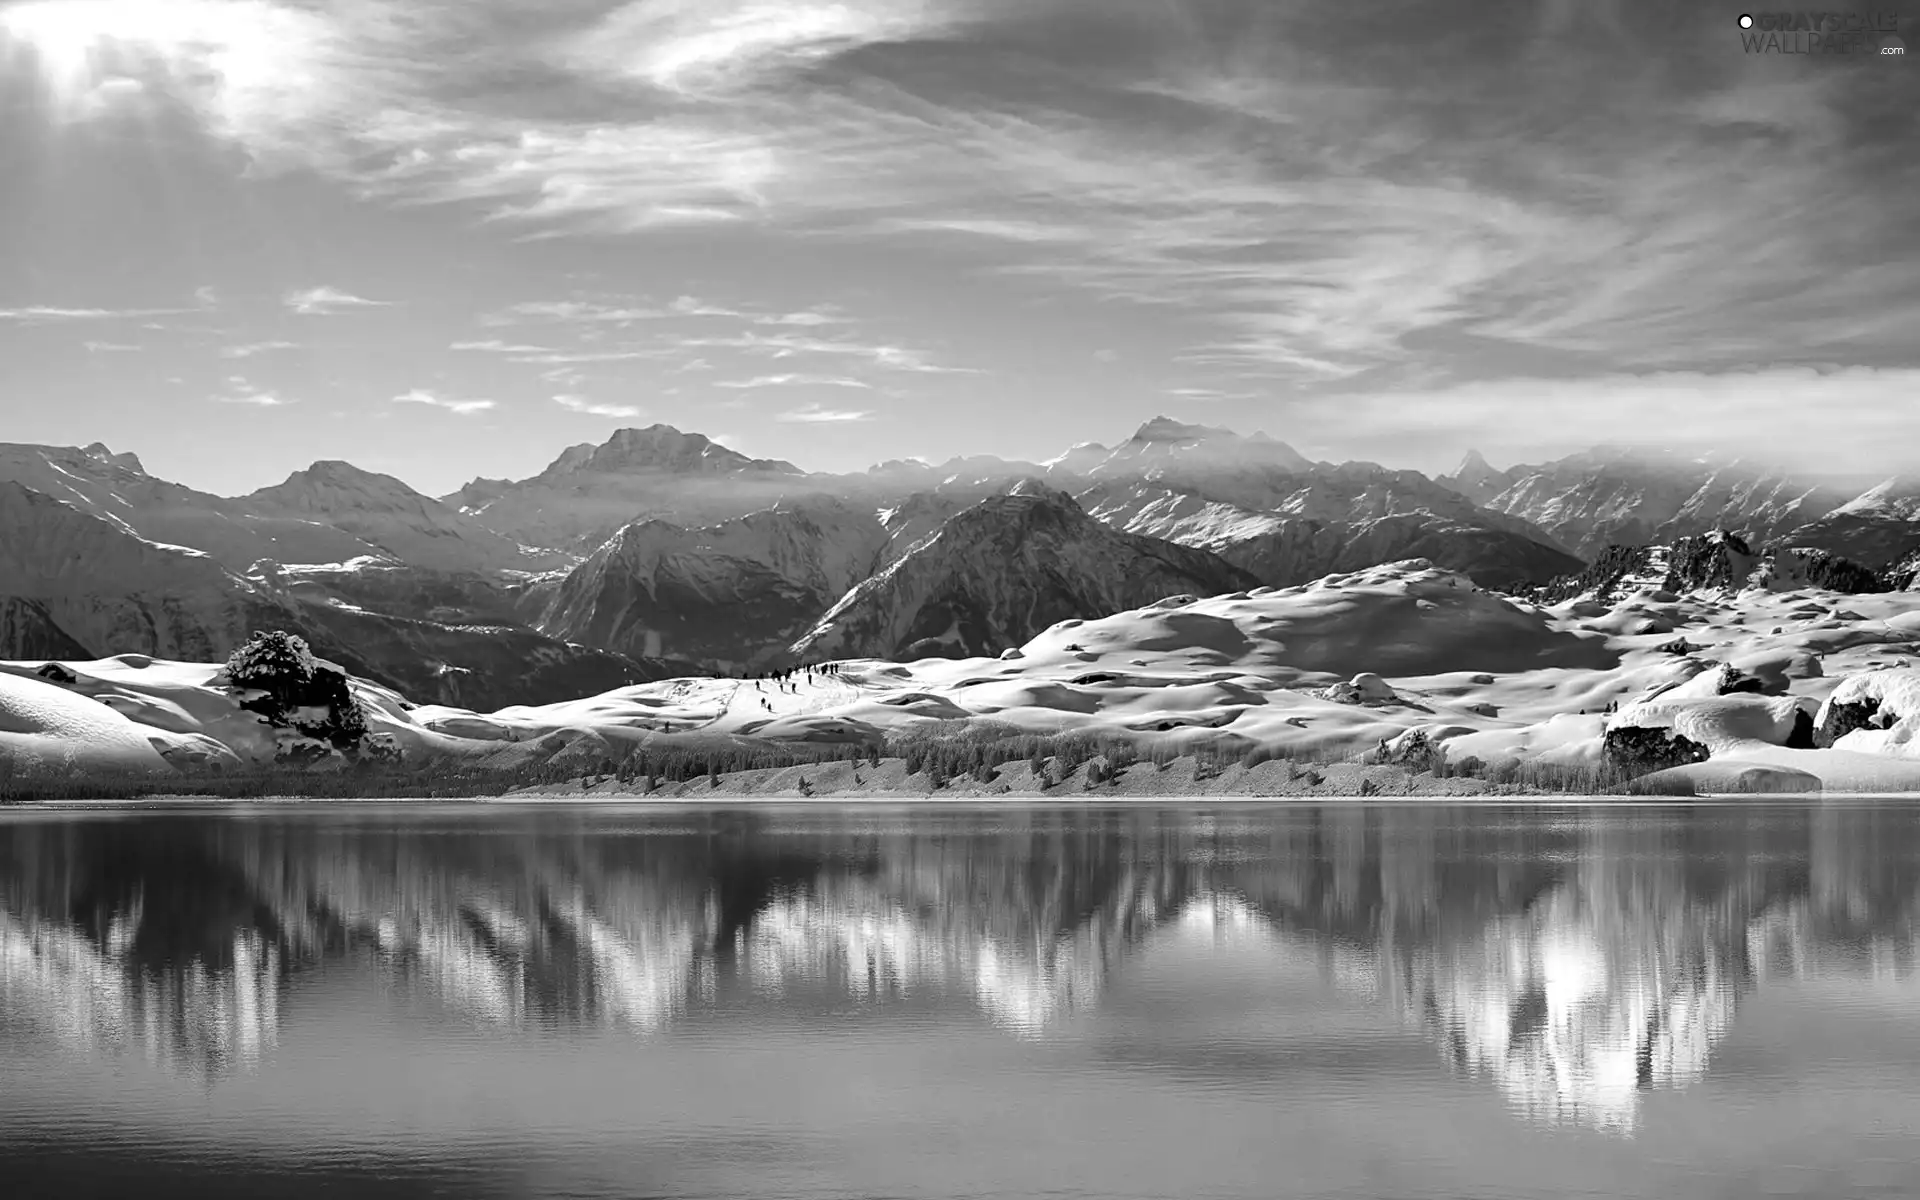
(1228,1001)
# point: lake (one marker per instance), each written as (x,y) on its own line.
(1210,1000)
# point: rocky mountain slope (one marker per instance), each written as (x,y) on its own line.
(99,585)
(387,514)
(732,595)
(73,585)
(117,489)
(1261,506)
(1879,528)
(1001,571)
(1611,496)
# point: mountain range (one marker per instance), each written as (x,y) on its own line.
(660,551)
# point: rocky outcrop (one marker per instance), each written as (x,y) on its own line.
(1716,560)
(1903,575)
(1635,750)
(1882,708)
(1001,571)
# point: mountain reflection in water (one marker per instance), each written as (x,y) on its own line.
(1575,959)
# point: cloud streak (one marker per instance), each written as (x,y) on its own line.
(793,380)
(462,408)
(814,414)
(255,349)
(49,314)
(327,301)
(1843,420)
(582,405)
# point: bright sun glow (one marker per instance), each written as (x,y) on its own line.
(227,55)
(78,43)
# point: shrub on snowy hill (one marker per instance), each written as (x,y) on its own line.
(297,691)
(1904,574)
(1788,567)
(1711,560)
(1601,576)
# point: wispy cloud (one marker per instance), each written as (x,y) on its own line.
(563,357)
(464,408)
(47,314)
(496,346)
(581,404)
(326,301)
(1206,394)
(571,312)
(788,345)
(814,414)
(111,347)
(793,380)
(708,46)
(255,349)
(242,391)
(1310,200)
(1853,419)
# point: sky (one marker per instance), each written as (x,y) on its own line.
(449,238)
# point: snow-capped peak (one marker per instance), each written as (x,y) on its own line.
(1898,496)
(1474,466)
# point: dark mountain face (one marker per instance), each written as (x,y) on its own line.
(1001,571)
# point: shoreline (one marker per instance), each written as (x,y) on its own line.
(184,804)
(859,782)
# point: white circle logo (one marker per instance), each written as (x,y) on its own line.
(1746,22)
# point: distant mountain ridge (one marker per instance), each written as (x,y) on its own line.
(659,544)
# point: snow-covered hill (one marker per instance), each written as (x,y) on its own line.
(1743,688)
